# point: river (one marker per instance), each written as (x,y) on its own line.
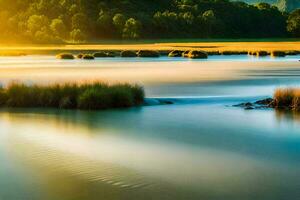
(201,147)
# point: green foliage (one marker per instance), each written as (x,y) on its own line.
(132,29)
(58,28)
(77,36)
(72,96)
(294,23)
(119,21)
(288,5)
(78,21)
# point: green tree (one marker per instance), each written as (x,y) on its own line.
(119,21)
(293,23)
(104,19)
(36,23)
(58,28)
(77,36)
(132,29)
(209,22)
(80,21)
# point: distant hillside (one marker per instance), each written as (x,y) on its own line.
(283,5)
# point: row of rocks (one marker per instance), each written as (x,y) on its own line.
(194,54)
(264,103)
(203,54)
(104,54)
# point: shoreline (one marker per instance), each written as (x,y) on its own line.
(161,47)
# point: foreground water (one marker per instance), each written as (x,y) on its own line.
(199,148)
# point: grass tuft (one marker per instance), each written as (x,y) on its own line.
(91,96)
(287,98)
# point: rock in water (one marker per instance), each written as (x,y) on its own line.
(65,56)
(128,54)
(175,53)
(197,54)
(148,54)
(265,102)
(88,57)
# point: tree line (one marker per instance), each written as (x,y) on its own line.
(55,21)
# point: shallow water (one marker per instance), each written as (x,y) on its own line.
(199,148)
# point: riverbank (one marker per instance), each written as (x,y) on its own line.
(162,47)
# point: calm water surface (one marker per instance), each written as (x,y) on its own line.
(199,148)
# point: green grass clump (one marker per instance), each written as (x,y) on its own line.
(65,56)
(72,96)
(287,98)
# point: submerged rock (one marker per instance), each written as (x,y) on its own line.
(100,54)
(248,104)
(110,54)
(249,108)
(197,54)
(148,54)
(278,54)
(185,54)
(266,102)
(79,56)
(175,53)
(88,57)
(155,102)
(260,104)
(292,53)
(261,53)
(128,54)
(65,56)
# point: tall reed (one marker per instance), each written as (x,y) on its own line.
(287,98)
(72,95)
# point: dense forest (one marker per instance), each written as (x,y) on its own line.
(55,21)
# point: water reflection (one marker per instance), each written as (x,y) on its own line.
(290,116)
(147,154)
